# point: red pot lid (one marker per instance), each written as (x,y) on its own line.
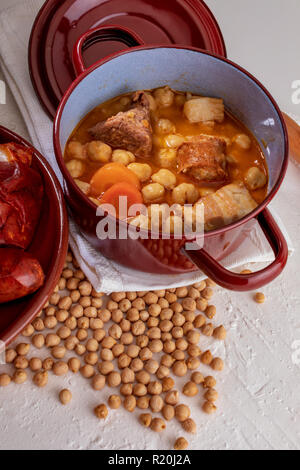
(60,24)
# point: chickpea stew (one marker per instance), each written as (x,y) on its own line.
(163,147)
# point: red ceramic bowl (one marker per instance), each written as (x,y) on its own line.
(186,69)
(49,246)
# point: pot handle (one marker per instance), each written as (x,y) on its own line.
(102,33)
(253,281)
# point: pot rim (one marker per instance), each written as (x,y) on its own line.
(79,193)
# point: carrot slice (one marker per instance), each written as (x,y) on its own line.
(111,196)
(110,174)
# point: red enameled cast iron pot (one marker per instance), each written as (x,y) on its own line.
(185,69)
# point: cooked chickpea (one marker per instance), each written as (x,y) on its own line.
(75,168)
(174,140)
(166,158)
(114,402)
(259,297)
(153,192)
(164,96)
(98,151)
(101,411)
(182,412)
(85,188)
(181,444)
(243,141)
(123,156)
(157,425)
(76,150)
(165,177)
(255,178)
(185,193)
(165,126)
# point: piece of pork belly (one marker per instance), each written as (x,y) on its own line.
(130,130)
(203,158)
(227,204)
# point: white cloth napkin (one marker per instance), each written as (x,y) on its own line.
(106,276)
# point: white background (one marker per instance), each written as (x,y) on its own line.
(259,402)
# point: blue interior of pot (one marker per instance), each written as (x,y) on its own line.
(183,70)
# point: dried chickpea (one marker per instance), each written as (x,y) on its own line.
(101,411)
(259,297)
(74,364)
(65,302)
(126,389)
(206,357)
(114,402)
(207,329)
(124,361)
(145,419)
(126,338)
(197,378)
(182,412)
(167,384)
(50,322)
(113,379)
(105,367)
(179,368)
(38,324)
(151,366)
(138,328)
(219,333)
(190,389)
(104,315)
(87,371)
(48,363)
(201,304)
(199,321)
(156,345)
(136,364)
(118,349)
(181,344)
(23,349)
(168,412)
(115,331)
(91,358)
(129,403)
(4,380)
(139,304)
(58,352)
(162,371)
(99,334)
(35,364)
(10,355)
(208,407)
(211,394)
(156,403)
(178,355)
(143,402)
(189,304)
(207,293)
(193,337)
(189,425)
(181,444)
(106,354)
(98,382)
(65,396)
(21,362)
(157,425)
(145,354)
(81,334)
(154,388)
(210,311)
(209,382)
(40,378)
(19,377)
(60,368)
(28,331)
(193,363)
(52,340)
(127,376)
(193,350)
(139,390)
(166,360)
(108,342)
(142,341)
(172,397)
(217,364)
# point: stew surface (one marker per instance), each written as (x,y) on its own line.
(163,146)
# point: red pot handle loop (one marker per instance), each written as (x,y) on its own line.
(253,281)
(99,34)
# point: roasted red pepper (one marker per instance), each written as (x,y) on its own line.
(20,274)
(15,152)
(21,194)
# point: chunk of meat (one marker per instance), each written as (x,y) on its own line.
(204,109)
(20,274)
(12,152)
(130,130)
(230,203)
(203,158)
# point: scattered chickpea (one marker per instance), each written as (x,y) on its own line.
(35,364)
(4,380)
(167,384)
(101,411)
(20,376)
(206,357)
(259,297)
(219,332)
(190,389)
(157,425)
(74,364)
(217,364)
(208,407)
(114,402)
(10,355)
(156,403)
(179,368)
(189,425)
(65,396)
(129,403)
(145,419)
(181,443)
(182,412)
(197,378)
(60,368)
(209,382)
(40,379)
(211,394)
(168,412)
(207,329)
(172,397)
